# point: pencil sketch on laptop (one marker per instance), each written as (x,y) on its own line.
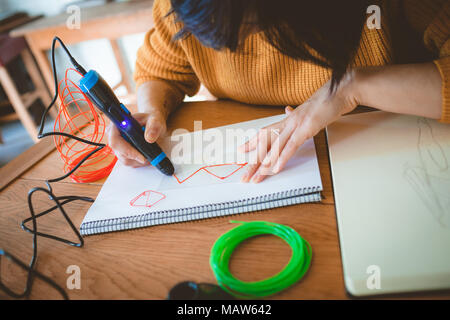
(431,178)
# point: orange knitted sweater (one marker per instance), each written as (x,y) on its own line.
(264,76)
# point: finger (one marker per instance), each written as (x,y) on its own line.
(255,160)
(261,151)
(268,130)
(250,145)
(258,177)
(296,140)
(264,142)
(272,157)
(121,147)
(288,110)
(262,145)
(153,129)
(251,169)
(141,118)
(129,162)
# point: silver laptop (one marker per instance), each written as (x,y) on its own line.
(391,180)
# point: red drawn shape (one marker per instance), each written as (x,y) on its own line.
(212,170)
(147,199)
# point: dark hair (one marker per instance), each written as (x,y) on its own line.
(331,28)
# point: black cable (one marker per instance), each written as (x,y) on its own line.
(59,201)
(32,271)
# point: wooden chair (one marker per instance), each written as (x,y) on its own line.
(9,49)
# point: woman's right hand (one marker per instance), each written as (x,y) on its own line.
(156,99)
(155,127)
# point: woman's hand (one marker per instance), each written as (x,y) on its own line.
(155,100)
(277,143)
(155,126)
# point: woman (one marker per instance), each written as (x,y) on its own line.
(314,54)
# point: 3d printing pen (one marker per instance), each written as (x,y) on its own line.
(96,88)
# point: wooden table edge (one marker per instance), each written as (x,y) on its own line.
(16,167)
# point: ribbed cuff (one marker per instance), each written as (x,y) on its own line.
(444,68)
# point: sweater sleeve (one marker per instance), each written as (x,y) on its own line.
(438,35)
(432,18)
(162,58)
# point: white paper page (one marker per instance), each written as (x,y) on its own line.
(130,191)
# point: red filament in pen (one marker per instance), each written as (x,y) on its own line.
(79,117)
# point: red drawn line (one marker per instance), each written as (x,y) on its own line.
(146,194)
(241,165)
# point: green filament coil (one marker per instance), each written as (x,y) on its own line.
(294,270)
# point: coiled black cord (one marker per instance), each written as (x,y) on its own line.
(59,201)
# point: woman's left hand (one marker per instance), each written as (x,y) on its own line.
(277,143)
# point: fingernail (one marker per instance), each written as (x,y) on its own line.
(151,135)
(256,178)
(245,177)
(276,168)
(266,171)
(141,160)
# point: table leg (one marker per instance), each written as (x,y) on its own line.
(17,103)
(36,78)
(46,69)
(126,79)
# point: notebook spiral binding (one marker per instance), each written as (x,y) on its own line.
(269,201)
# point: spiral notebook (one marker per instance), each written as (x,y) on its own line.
(206,183)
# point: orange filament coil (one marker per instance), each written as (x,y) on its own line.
(79,117)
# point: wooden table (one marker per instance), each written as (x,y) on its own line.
(110,21)
(146,263)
